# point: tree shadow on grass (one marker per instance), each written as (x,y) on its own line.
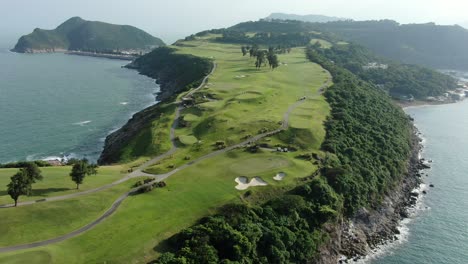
(163,247)
(3,193)
(44,192)
(253,69)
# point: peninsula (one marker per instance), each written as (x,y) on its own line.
(271,143)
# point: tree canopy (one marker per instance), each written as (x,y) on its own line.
(20,185)
(80,170)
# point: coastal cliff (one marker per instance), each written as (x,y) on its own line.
(356,237)
(174,73)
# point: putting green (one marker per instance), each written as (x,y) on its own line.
(325,44)
(255,165)
(188,140)
(249,95)
(190,118)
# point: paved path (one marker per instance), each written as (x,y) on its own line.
(116,204)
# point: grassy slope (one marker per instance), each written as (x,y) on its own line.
(145,220)
(248,100)
(58,182)
(52,219)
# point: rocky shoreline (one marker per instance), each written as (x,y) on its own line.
(34,51)
(103,55)
(354,239)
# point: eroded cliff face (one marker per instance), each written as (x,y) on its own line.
(174,73)
(354,238)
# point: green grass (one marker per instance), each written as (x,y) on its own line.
(252,103)
(153,139)
(325,44)
(57,182)
(41,221)
(243,107)
(190,117)
(188,140)
(252,165)
(144,220)
(31,257)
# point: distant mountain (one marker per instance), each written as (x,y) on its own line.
(432,45)
(305,18)
(79,34)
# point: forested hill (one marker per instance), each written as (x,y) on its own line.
(396,79)
(399,80)
(79,34)
(428,44)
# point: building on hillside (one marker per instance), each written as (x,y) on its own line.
(375,65)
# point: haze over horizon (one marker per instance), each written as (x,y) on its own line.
(179,18)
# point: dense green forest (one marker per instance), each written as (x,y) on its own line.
(428,44)
(79,34)
(397,79)
(369,135)
(368,144)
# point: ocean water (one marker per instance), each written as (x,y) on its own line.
(55,105)
(438,231)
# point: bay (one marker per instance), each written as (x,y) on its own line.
(55,105)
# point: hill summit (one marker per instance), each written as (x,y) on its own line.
(79,34)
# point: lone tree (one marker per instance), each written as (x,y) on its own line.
(80,170)
(20,185)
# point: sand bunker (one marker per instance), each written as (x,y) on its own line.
(243,182)
(279,176)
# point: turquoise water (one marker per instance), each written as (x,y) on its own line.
(439,233)
(55,105)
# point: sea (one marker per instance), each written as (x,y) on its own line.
(437,231)
(55,106)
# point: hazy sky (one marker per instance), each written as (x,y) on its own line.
(172,19)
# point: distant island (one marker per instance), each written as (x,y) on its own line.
(77,34)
